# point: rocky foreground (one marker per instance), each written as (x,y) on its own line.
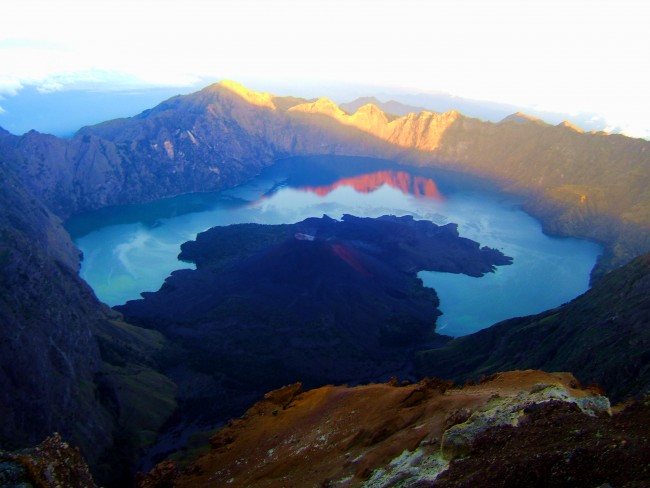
(53,463)
(523,428)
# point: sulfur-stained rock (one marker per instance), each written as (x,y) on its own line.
(501,411)
(375,435)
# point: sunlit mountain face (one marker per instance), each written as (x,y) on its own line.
(418,186)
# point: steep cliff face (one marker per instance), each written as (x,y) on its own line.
(602,336)
(49,357)
(206,141)
(66,175)
(68,363)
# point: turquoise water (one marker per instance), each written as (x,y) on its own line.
(131,249)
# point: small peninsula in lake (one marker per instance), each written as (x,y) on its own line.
(319,301)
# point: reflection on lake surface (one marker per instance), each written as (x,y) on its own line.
(132,249)
(418,186)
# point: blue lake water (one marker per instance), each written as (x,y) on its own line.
(131,249)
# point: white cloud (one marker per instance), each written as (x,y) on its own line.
(579,56)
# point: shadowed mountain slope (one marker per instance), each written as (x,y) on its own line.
(68,363)
(48,356)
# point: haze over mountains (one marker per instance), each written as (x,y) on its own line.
(62,113)
(58,343)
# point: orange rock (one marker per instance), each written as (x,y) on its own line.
(348,435)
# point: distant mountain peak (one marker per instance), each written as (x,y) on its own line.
(323,106)
(521,118)
(372,115)
(569,125)
(367,100)
(391,108)
(369,107)
(261,99)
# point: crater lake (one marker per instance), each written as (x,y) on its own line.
(132,249)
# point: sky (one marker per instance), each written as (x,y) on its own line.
(566,56)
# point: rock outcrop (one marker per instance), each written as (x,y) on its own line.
(382,435)
(51,464)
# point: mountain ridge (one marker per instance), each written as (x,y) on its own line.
(578,184)
(391,108)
